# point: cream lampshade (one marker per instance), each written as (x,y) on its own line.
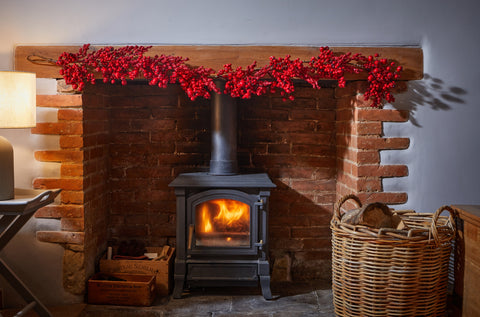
(17,110)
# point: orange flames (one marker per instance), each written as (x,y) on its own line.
(224,215)
(207,225)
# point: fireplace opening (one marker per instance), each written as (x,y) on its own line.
(222,223)
(286,156)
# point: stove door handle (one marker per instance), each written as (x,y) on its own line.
(191,228)
(259,244)
(260,203)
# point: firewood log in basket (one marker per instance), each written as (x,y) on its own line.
(375,215)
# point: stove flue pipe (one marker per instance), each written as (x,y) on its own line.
(223,160)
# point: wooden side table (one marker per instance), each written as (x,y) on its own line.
(467,259)
(14,215)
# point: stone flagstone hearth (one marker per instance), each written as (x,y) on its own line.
(293,300)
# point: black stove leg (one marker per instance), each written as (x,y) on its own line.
(265,284)
(178,288)
(179,277)
(264,275)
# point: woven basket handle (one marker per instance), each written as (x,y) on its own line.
(336,212)
(433,227)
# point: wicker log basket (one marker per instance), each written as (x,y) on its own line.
(390,272)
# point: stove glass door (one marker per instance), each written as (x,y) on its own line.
(222,223)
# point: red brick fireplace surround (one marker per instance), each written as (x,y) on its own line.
(120,147)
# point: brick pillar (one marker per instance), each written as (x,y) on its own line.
(359,142)
(82,128)
(71,209)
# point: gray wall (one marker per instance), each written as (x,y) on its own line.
(443,129)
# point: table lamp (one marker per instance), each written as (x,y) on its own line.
(17,110)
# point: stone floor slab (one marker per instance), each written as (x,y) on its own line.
(291,300)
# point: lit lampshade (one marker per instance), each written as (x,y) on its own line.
(17,110)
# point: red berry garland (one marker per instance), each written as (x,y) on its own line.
(130,62)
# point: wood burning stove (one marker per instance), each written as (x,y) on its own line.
(222,232)
(222,229)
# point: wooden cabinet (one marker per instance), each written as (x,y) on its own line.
(467,267)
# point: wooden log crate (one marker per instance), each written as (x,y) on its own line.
(161,268)
(121,289)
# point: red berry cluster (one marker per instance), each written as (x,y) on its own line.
(382,76)
(243,82)
(129,62)
(330,66)
(73,70)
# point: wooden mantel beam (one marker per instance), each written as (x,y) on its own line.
(411,58)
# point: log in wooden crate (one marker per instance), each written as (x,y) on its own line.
(162,267)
